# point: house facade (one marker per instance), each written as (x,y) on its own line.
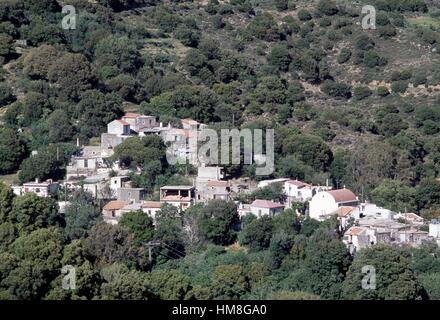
(260,208)
(324,203)
(179,196)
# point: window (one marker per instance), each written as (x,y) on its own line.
(86,163)
(113,213)
(259,212)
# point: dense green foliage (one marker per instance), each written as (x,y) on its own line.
(354,107)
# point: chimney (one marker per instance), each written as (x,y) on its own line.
(160,124)
(77,142)
(37,180)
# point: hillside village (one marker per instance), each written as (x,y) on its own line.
(362,223)
(102,104)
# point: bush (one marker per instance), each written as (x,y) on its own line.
(372,59)
(304,15)
(399,86)
(327,7)
(281,5)
(430,127)
(344,55)
(419,79)
(336,89)
(279,57)
(382,91)
(6,94)
(361,93)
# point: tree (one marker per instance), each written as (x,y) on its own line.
(344,55)
(6,94)
(48,163)
(117,51)
(263,27)
(218,220)
(310,149)
(279,57)
(169,233)
(169,284)
(304,15)
(327,7)
(394,277)
(281,5)
(257,233)
(228,282)
(361,93)
(60,129)
(36,262)
(326,262)
(6,42)
(31,212)
(337,89)
(43,247)
(6,202)
(95,109)
(139,151)
(111,244)
(139,224)
(72,74)
(124,284)
(394,195)
(80,215)
(12,151)
(428,194)
(39,60)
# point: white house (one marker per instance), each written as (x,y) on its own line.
(372,210)
(434,228)
(139,122)
(41,189)
(112,211)
(151,208)
(356,238)
(118,127)
(260,208)
(324,203)
(265,183)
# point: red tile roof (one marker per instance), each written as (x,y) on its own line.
(132,115)
(266,204)
(217,183)
(189,121)
(151,204)
(125,123)
(354,231)
(115,205)
(344,211)
(297,183)
(343,195)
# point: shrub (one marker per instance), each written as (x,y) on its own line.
(304,15)
(336,89)
(327,7)
(399,86)
(382,91)
(344,55)
(6,94)
(361,93)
